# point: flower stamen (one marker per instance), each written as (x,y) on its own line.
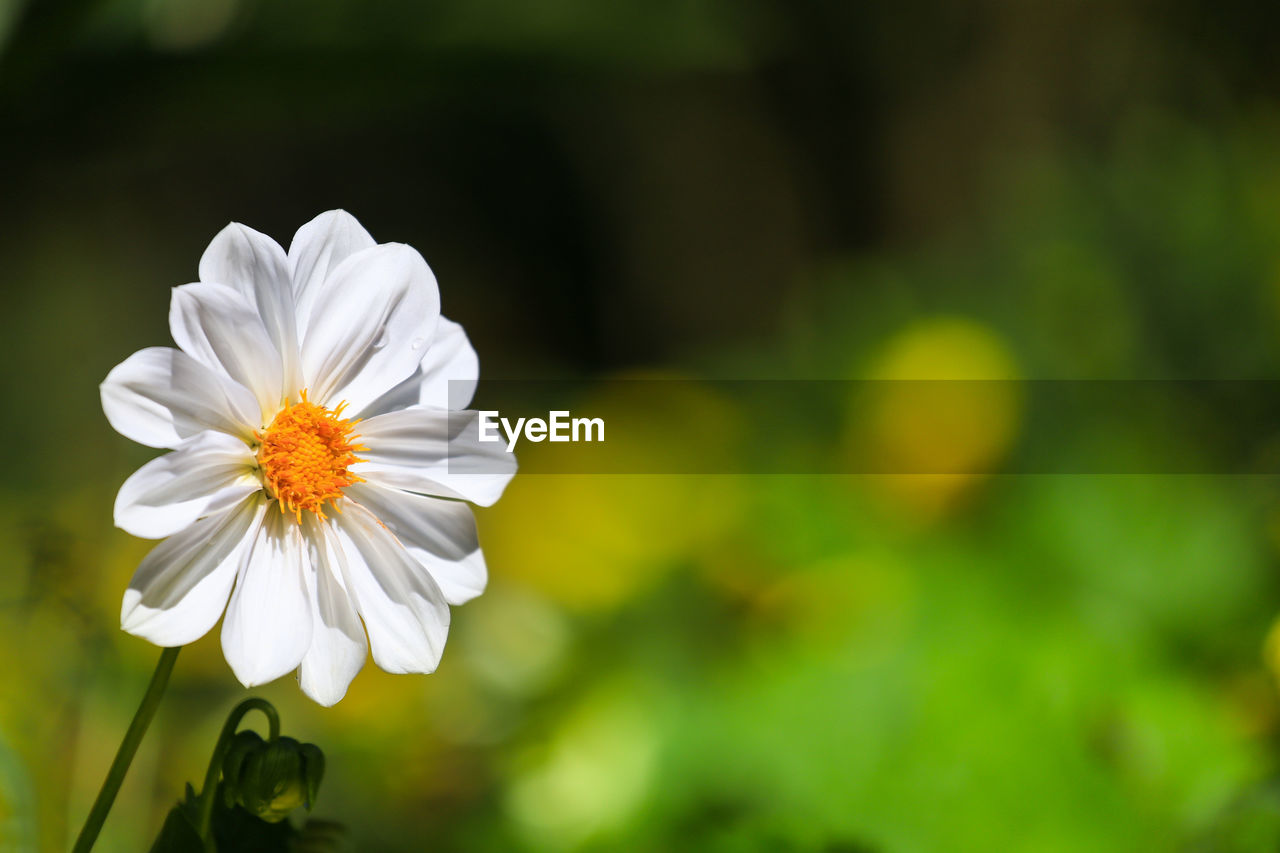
(305,454)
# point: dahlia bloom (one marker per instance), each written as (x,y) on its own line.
(318,477)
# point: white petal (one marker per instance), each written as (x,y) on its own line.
(450,369)
(439,534)
(403,609)
(434,452)
(445,379)
(219,328)
(267,628)
(208,472)
(160,396)
(338,648)
(367,330)
(255,266)
(180,588)
(318,248)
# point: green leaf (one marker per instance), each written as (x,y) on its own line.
(312,771)
(179,835)
(237,831)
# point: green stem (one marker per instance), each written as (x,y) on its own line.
(209,790)
(124,755)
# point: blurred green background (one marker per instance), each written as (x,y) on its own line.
(915,189)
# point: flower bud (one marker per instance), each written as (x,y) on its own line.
(269,779)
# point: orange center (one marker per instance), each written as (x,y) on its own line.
(305,454)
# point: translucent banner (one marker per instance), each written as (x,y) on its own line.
(692,426)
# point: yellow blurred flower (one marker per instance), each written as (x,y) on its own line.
(592,541)
(944,408)
(1271,649)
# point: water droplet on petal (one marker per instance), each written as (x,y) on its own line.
(419,343)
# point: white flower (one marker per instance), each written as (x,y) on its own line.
(317,476)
